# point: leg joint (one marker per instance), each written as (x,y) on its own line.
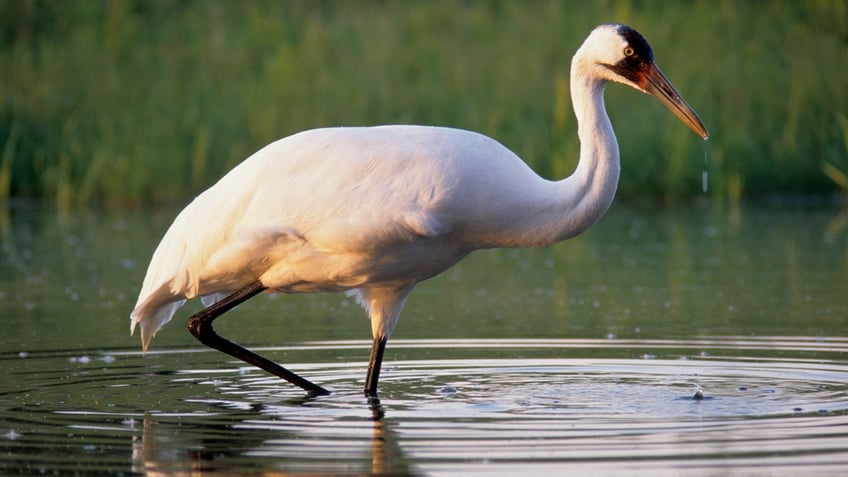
(194,326)
(201,328)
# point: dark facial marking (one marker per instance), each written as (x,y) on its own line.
(638,55)
(641,48)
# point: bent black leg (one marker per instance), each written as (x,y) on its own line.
(200,325)
(374,364)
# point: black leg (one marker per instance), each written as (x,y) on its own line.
(374,364)
(200,325)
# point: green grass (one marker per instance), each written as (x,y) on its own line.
(130,102)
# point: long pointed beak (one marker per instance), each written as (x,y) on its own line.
(657,85)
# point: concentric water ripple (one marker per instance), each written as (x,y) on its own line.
(774,405)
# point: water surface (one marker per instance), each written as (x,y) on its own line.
(582,357)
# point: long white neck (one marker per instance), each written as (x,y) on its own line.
(547,212)
(588,192)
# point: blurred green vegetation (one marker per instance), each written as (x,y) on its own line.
(130,102)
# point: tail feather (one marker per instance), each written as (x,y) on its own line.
(152,321)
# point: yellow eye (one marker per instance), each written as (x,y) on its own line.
(628,51)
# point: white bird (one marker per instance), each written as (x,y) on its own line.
(373,211)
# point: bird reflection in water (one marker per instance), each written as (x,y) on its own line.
(256,442)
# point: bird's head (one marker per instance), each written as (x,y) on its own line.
(615,52)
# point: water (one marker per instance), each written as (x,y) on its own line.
(582,358)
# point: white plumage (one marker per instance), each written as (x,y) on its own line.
(373,211)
